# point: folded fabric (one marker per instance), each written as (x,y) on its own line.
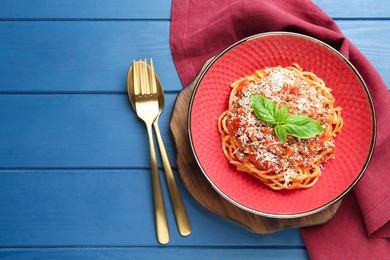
(202,28)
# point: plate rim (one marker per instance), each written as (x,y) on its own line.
(363,84)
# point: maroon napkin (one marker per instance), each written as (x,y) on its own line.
(203,28)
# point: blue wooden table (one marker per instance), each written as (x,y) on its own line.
(74,159)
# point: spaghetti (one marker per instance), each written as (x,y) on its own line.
(251,144)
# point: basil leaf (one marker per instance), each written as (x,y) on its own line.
(281,115)
(299,126)
(302,126)
(264,108)
(281,133)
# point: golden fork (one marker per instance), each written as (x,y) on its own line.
(145,102)
(181,216)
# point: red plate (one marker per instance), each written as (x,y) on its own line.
(354,144)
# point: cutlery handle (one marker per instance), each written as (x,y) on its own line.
(159,206)
(182,220)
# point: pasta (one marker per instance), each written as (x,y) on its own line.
(251,144)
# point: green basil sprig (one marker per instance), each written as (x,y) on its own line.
(300,126)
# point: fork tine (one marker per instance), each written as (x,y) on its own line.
(146,71)
(141,79)
(152,78)
(144,78)
(136,78)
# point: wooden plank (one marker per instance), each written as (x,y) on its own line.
(154,9)
(86,9)
(76,131)
(94,56)
(355,9)
(108,208)
(372,40)
(155,253)
(81,56)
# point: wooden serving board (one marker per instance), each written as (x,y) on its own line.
(197,184)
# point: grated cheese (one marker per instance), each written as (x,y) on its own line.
(258,140)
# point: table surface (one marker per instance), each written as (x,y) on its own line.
(74,159)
